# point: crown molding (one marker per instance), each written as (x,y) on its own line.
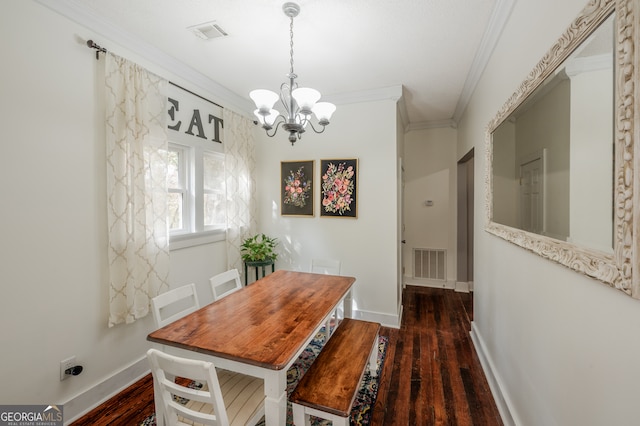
(80,14)
(497,22)
(434,124)
(385,93)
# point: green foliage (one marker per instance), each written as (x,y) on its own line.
(259,248)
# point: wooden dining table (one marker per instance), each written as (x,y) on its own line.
(261,329)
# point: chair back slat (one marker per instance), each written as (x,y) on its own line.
(184,299)
(225,283)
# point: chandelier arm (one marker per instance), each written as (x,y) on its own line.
(279,120)
(310,123)
(286,97)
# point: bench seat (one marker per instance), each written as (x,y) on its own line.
(329,387)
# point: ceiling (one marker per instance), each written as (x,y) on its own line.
(434,49)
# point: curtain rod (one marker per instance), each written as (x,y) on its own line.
(92,45)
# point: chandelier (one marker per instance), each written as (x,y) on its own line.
(298,102)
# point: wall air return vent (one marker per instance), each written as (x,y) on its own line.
(429,263)
(208,30)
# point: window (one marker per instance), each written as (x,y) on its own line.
(177,185)
(196,186)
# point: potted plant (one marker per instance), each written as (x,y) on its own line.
(259,248)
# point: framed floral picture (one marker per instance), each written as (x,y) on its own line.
(338,193)
(296,188)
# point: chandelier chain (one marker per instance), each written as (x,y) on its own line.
(291,44)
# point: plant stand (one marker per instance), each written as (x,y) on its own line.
(257,264)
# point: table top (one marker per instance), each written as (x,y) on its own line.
(264,324)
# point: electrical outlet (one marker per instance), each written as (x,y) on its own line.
(66,364)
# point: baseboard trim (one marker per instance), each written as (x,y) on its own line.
(464,286)
(386,320)
(498,390)
(459,286)
(422,282)
(86,401)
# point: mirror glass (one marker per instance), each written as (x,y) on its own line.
(553,155)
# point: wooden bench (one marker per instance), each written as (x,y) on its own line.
(328,389)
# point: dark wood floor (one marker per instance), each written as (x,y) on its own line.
(431,375)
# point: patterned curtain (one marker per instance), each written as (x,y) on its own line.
(136,142)
(240,184)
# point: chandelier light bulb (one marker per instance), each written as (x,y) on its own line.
(323,112)
(264,100)
(306,98)
(267,120)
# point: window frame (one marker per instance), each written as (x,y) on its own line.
(184,168)
(193,231)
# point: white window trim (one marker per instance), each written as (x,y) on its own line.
(185,179)
(181,241)
(193,232)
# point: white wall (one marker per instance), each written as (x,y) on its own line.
(430,174)
(559,348)
(367,246)
(53,221)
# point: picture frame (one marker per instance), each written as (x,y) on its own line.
(297,188)
(339,188)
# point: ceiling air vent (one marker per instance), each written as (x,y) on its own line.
(208,30)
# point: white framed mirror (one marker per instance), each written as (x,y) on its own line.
(560,153)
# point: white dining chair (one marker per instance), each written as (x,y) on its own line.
(225,283)
(174,304)
(328,267)
(227,398)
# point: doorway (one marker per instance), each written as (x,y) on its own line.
(532,193)
(464,268)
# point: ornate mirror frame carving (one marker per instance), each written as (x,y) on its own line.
(619,269)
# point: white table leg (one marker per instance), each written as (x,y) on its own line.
(348,306)
(275,404)
(300,418)
(327,328)
(373,359)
